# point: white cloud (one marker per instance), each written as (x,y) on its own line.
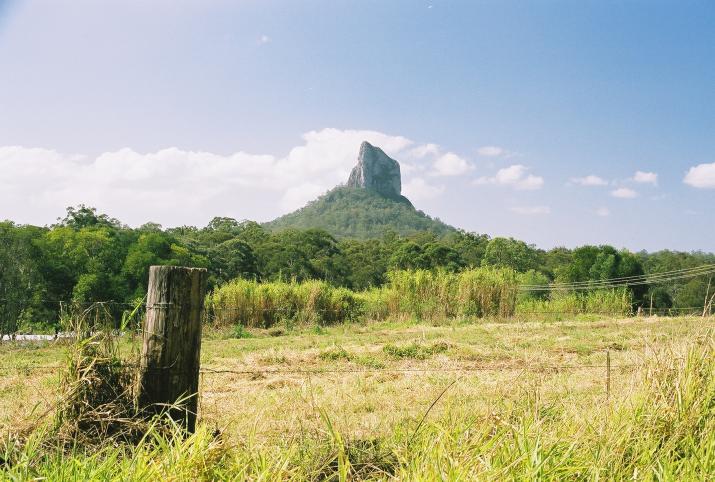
(531,210)
(646,178)
(513,176)
(430,157)
(417,189)
(624,193)
(408,168)
(176,187)
(424,150)
(491,151)
(450,164)
(603,212)
(701,176)
(590,180)
(300,195)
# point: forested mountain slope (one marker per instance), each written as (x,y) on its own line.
(347,212)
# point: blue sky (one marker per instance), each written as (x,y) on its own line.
(177,111)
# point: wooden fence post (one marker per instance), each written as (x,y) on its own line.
(171,347)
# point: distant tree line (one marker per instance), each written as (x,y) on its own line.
(88,256)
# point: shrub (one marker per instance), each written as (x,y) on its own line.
(239,331)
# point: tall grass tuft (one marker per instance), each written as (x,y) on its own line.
(611,302)
(96,385)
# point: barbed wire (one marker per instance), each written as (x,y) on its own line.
(353,370)
(478,368)
(291,309)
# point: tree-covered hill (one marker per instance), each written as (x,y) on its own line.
(357,213)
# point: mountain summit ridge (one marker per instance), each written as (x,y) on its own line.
(376,171)
(369,205)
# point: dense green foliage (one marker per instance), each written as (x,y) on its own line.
(359,214)
(91,257)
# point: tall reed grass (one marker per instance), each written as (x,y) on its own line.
(418,294)
(252,304)
(613,302)
(481,292)
(421,294)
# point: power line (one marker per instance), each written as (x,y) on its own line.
(633,277)
(629,279)
(635,281)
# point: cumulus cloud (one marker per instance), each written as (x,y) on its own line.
(624,193)
(176,186)
(300,195)
(417,189)
(424,150)
(491,151)
(450,164)
(531,210)
(646,178)
(515,176)
(603,212)
(701,176)
(590,180)
(431,158)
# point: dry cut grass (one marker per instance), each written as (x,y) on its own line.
(483,401)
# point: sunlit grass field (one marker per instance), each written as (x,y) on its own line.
(483,400)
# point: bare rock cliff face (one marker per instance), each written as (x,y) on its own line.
(376,171)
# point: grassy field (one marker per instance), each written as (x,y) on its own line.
(523,400)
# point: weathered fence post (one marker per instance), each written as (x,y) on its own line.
(171,346)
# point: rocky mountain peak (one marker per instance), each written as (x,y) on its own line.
(376,171)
